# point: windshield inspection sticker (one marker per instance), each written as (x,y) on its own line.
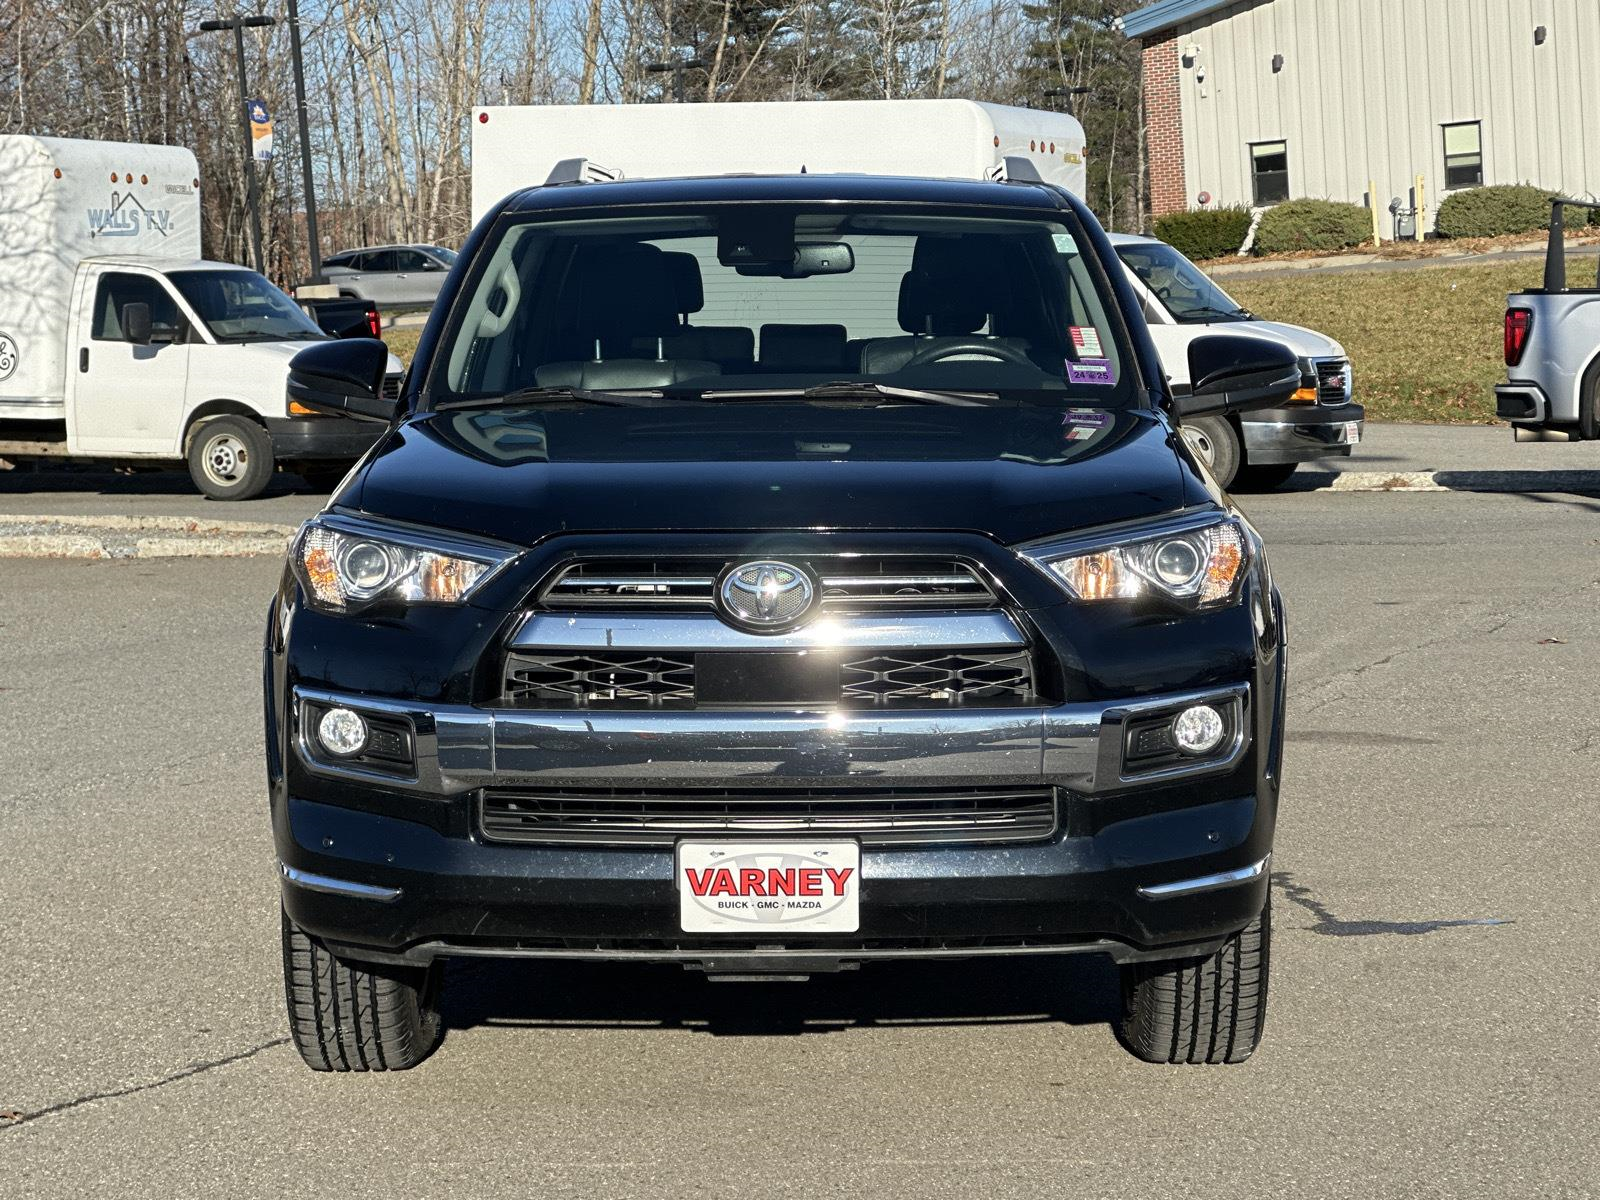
(1083,423)
(1086,341)
(1091,370)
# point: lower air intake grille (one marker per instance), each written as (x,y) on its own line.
(637,680)
(878,816)
(667,679)
(954,677)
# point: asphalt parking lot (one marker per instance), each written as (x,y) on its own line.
(1436,979)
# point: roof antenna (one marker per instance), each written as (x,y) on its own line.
(802,168)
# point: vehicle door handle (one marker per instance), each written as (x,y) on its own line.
(83,360)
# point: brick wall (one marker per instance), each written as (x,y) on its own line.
(1164,126)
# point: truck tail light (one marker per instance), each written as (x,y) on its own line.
(1519,323)
(374,325)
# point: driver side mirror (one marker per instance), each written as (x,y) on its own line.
(1229,373)
(136,323)
(343,378)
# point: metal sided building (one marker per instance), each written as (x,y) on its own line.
(1256,101)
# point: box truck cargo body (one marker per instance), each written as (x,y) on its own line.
(518,146)
(118,342)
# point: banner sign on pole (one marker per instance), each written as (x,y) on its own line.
(261,130)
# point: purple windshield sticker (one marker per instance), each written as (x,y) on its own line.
(1091,370)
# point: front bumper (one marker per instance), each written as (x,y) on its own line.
(1300,433)
(407,876)
(321,438)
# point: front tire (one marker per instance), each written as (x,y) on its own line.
(230,458)
(1201,1010)
(1589,405)
(348,1016)
(1216,444)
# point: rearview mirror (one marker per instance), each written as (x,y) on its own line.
(1230,373)
(343,378)
(136,323)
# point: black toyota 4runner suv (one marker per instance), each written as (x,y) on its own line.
(775,575)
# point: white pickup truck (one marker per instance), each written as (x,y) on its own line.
(119,342)
(1552,351)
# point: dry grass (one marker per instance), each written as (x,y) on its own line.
(1424,344)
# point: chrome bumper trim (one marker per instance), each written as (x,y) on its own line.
(1206,883)
(337,887)
(705,631)
(1079,746)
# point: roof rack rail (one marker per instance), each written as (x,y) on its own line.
(581,170)
(1014,168)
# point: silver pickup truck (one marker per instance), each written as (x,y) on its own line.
(1552,387)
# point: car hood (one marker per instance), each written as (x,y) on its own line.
(522,474)
(1307,343)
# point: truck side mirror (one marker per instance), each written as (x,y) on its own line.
(1230,373)
(343,378)
(136,323)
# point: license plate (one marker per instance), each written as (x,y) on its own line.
(750,887)
(1352,432)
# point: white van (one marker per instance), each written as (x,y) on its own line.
(518,146)
(119,342)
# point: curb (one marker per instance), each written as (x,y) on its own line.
(102,537)
(1446,481)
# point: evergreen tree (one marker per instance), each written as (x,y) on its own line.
(1079,43)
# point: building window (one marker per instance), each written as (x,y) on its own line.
(1463,154)
(1269,171)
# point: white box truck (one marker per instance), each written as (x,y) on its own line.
(119,342)
(519,146)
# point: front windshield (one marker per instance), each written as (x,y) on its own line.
(742,302)
(241,306)
(1187,292)
(443,254)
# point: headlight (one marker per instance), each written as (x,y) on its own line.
(1197,561)
(346,564)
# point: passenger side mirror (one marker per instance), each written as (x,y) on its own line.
(343,378)
(1230,373)
(136,323)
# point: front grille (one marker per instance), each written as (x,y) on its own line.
(878,816)
(1331,387)
(668,679)
(636,680)
(952,678)
(848,584)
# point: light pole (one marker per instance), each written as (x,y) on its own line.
(238,25)
(677,66)
(1065,94)
(305,141)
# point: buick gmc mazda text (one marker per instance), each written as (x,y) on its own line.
(778,575)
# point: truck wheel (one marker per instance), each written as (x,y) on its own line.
(1264,478)
(230,458)
(347,1016)
(1200,1010)
(1589,405)
(1215,443)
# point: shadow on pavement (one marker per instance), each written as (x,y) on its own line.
(1075,990)
(23,480)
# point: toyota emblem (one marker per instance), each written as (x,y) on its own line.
(766,596)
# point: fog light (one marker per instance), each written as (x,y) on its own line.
(1198,730)
(344,732)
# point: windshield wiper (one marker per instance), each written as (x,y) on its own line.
(1242,314)
(560,395)
(847,389)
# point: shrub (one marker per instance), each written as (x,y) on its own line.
(1313,225)
(1205,232)
(1501,209)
